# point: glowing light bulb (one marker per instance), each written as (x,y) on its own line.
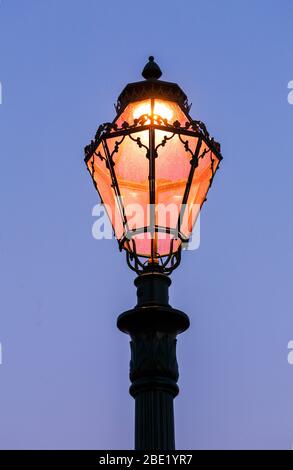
(163,110)
(142,109)
(160,109)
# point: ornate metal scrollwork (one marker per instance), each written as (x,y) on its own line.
(163,143)
(197,128)
(140,144)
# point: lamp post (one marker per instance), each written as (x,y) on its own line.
(155,161)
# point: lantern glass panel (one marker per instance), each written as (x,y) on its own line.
(103,182)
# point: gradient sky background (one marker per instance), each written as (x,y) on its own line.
(64,378)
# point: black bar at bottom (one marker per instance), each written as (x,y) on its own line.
(134,459)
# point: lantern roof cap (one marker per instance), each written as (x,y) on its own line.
(152,87)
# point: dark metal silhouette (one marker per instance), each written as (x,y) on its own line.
(153,325)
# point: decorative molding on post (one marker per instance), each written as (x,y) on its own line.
(153,358)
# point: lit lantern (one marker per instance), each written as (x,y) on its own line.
(152,166)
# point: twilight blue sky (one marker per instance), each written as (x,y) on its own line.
(64,378)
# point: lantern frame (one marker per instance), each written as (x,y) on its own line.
(152,89)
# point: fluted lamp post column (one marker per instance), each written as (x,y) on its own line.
(154,157)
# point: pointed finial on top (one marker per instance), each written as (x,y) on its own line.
(151,70)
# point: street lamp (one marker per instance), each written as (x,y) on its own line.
(152,167)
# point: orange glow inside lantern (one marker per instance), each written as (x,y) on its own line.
(153,168)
